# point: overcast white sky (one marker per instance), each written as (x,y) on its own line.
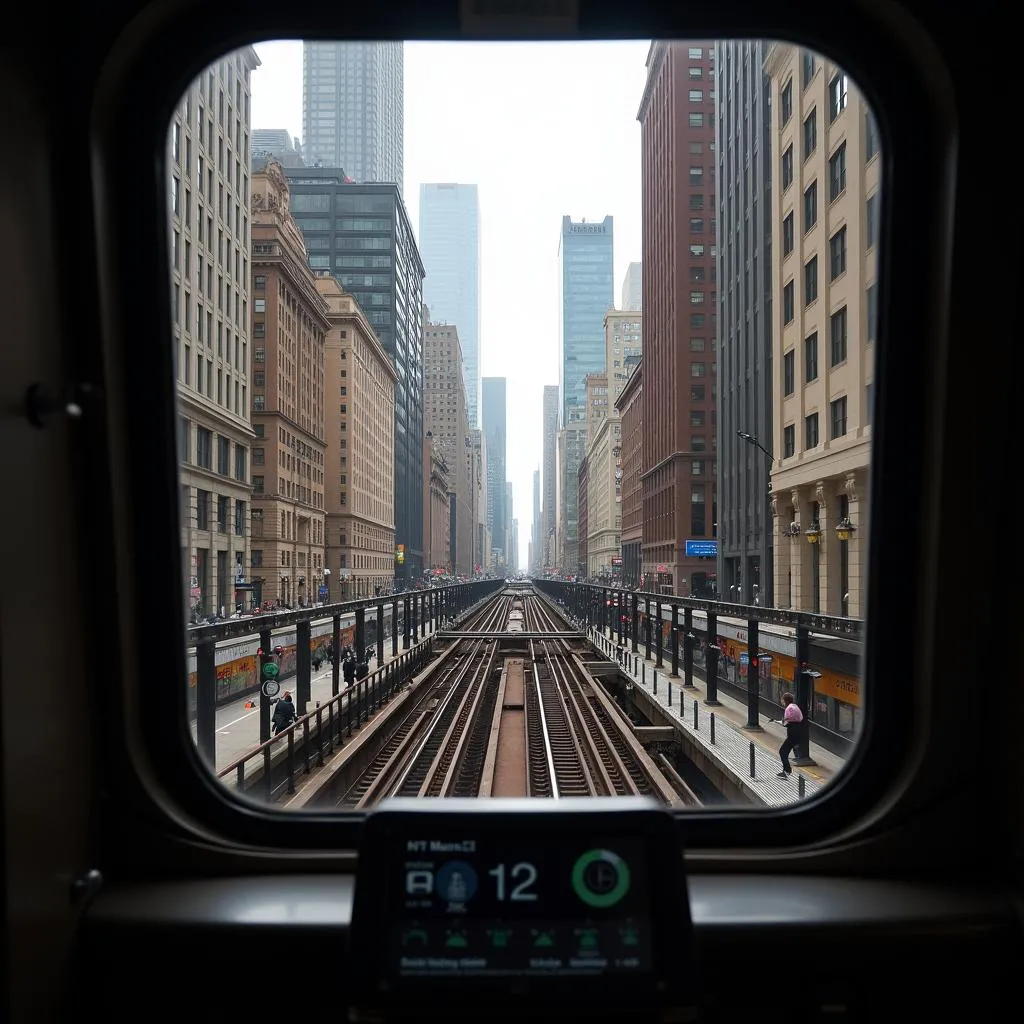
(543,129)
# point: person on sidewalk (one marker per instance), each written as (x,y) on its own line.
(793,720)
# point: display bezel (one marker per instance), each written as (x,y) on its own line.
(376,981)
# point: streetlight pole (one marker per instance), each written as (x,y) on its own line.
(752,439)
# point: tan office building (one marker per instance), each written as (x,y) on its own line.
(597,405)
(623,347)
(446,417)
(825,223)
(208,162)
(360,473)
(436,507)
(604,499)
(629,407)
(289,322)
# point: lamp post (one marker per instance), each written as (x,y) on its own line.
(327,585)
(752,440)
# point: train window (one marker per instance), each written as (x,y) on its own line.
(515,558)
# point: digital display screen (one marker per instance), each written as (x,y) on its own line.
(492,907)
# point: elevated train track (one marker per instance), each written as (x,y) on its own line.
(509,710)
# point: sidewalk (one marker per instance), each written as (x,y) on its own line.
(732,741)
(238,727)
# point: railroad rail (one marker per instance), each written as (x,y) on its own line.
(499,722)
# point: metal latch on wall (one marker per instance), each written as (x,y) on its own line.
(41,406)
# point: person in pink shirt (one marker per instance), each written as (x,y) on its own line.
(793,720)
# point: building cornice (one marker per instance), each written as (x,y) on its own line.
(778,58)
(632,385)
(655,58)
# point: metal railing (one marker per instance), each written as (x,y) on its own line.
(324,729)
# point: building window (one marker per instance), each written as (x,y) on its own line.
(697,201)
(788,441)
(204,448)
(695,53)
(811,357)
(697,393)
(787,167)
(696,225)
(697,250)
(259,305)
(871,221)
(184,439)
(696,321)
(787,234)
(809,65)
(698,370)
(697,273)
(696,120)
(241,463)
(697,443)
(696,298)
(223,456)
(870,137)
(837,174)
(810,206)
(837,253)
(698,506)
(810,133)
(695,73)
(788,305)
(789,373)
(697,418)
(697,344)
(871,311)
(837,415)
(259,283)
(838,95)
(811,431)
(696,467)
(696,96)
(697,176)
(837,332)
(810,280)
(203,509)
(787,102)
(257,484)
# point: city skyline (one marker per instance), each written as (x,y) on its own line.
(594,88)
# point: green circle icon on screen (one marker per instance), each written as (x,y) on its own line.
(600,878)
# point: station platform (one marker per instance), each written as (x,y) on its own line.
(238,727)
(732,740)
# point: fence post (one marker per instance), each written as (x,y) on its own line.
(712,728)
(752,763)
(695,707)
(291,762)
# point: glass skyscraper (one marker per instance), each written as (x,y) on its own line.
(450,246)
(495,427)
(586,293)
(353,109)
